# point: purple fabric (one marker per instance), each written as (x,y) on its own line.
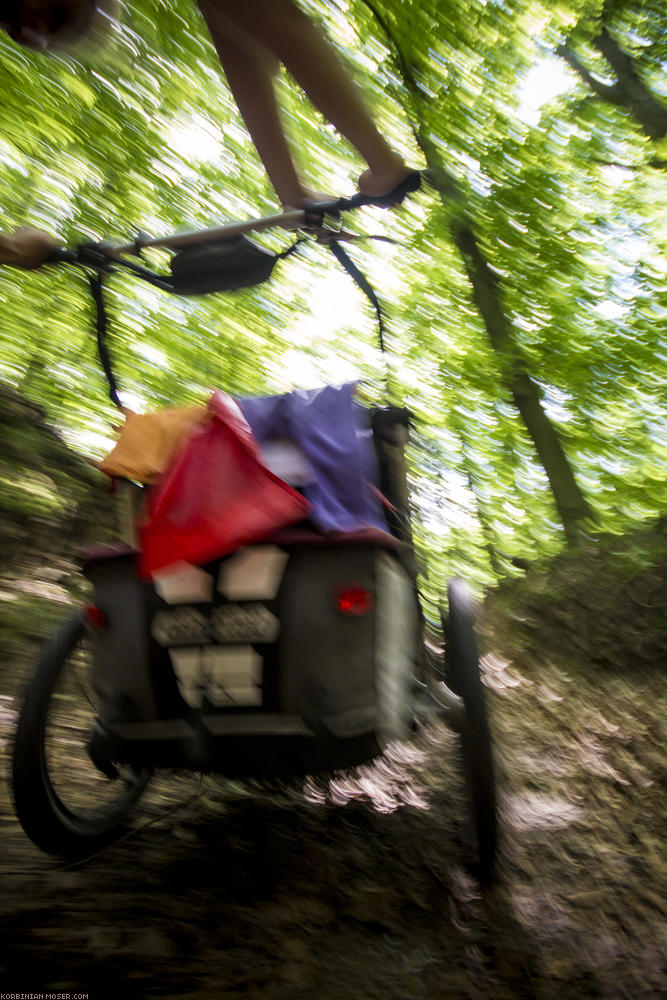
(334,433)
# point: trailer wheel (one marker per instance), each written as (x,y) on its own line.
(66,804)
(463,677)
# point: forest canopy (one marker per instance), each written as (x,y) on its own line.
(526,292)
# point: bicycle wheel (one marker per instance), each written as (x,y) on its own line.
(65,804)
(463,676)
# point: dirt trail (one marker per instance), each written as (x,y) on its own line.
(360,890)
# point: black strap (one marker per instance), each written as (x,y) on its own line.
(153,279)
(96,283)
(290,249)
(363,283)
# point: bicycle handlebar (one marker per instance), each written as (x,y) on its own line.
(103,257)
(104,253)
(311,216)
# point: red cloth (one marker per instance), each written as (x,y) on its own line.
(216,496)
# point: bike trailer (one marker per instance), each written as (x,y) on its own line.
(308,646)
(295,653)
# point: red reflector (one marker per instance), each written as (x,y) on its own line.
(354,601)
(95,617)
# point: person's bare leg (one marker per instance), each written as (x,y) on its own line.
(284,30)
(249,70)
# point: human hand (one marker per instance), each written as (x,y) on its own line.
(28,248)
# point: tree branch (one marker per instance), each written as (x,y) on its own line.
(635,95)
(620,61)
(609,93)
(629,91)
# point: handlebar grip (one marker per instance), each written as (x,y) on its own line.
(90,254)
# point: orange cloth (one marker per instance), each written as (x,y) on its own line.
(149,441)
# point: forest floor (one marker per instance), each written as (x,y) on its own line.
(361,888)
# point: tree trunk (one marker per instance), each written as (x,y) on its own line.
(629,91)
(571,503)
(527,397)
